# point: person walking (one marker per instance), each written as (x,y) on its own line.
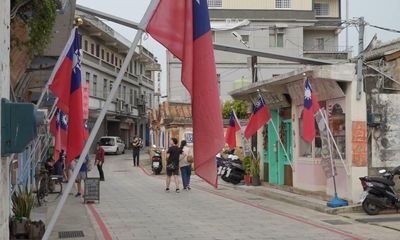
(99,161)
(185,164)
(82,175)
(137,145)
(173,154)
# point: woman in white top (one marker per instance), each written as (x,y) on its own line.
(184,165)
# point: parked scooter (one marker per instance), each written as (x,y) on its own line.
(379,192)
(232,170)
(156,162)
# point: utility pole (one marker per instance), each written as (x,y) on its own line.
(4,93)
(361,27)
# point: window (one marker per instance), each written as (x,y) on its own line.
(116,61)
(102,54)
(120,63)
(337,124)
(141,69)
(276,37)
(119,91)
(214,3)
(112,58)
(92,48)
(105,88)
(135,98)
(320,44)
(124,93)
(94,85)
(305,148)
(108,57)
(130,67)
(219,83)
(97,50)
(150,101)
(87,77)
(135,69)
(283,3)
(321,8)
(111,85)
(131,96)
(214,35)
(85,47)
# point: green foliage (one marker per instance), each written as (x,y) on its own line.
(240,107)
(255,167)
(22,203)
(247,165)
(39,16)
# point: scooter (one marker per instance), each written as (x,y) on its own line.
(156,162)
(232,171)
(379,192)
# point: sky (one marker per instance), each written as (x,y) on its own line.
(376,12)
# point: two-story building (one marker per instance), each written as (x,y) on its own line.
(300,28)
(104,51)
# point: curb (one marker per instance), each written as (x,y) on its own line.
(267,193)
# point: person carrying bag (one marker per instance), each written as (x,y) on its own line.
(185,164)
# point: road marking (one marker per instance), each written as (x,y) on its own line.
(102,225)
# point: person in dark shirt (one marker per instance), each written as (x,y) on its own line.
(173,154)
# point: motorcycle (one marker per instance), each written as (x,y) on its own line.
(379,192)
(232,171)
(156,162)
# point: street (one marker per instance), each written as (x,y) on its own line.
(134,205)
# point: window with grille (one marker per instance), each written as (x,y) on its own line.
(94,85)
(321,9)
(214,3)
(320,43)
(283,3)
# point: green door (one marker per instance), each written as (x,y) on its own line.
(275,155)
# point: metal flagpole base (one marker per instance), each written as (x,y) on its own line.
(337,202)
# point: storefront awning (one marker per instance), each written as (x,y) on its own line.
(286,89)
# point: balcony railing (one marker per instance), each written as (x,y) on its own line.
(328,49)
(335,52)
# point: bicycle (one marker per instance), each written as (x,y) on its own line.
(48,184)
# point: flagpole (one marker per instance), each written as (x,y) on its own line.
(334,142)
(331,158)
(241,133)
(143,24)
(277,134)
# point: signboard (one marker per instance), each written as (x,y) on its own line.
(85,100)
(188,136)
(92,189)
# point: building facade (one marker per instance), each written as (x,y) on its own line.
(104,51)
(301,28)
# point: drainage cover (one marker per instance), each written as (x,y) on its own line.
(336,222)
(378,220)
(71,234)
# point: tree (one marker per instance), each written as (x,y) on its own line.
(241,108)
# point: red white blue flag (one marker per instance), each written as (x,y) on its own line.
(183,27)
(311,106)
(233,127)
(59,129)
(258,118)
(66,84)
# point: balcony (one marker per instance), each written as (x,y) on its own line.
(328,53)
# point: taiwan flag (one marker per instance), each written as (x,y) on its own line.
(258,118)
(311,106)
(183,27)
(65,83)
(233,127)
(59,129)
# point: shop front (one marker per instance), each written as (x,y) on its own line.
(289,160)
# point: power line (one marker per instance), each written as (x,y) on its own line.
(384,28)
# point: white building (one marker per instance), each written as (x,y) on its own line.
(299,28)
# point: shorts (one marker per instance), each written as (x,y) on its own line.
(171,172)
(81,176)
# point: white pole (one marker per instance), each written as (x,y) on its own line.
(334,142)
(143,24)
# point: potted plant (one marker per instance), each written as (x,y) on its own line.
(255,171)
(22,204)
(247,170)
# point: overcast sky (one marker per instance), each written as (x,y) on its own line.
(383,13)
